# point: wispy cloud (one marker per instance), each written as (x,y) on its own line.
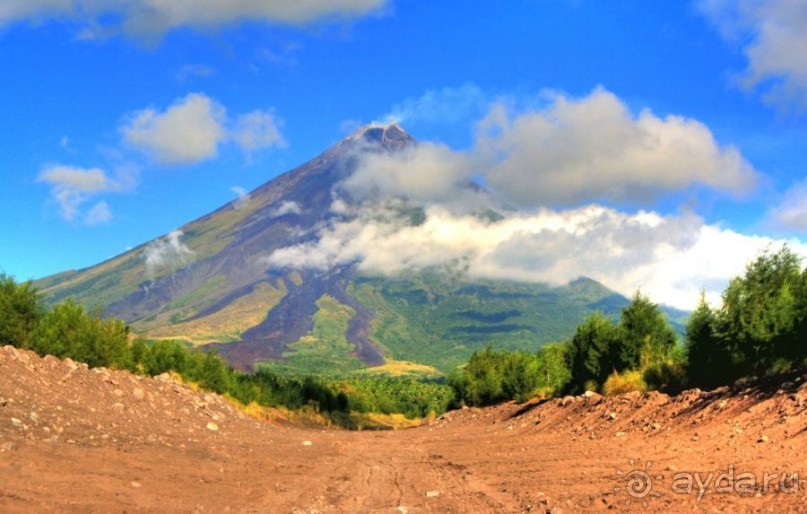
(72,187)
(98,214)
(283,55)
(258,130)
(791,213)
(190,71)
(153,18)
(446,106)
(772,34)
(243,197)
(286,207)
(166,254)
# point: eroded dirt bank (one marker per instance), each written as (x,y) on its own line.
(79,440)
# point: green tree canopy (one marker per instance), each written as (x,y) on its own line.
(20,311)
(646,334)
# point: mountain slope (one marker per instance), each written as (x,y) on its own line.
(211,283)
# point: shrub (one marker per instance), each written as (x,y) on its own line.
(668,376)
(625,382)
(493,376)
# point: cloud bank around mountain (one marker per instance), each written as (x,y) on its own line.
(560,163)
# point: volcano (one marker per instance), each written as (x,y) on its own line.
(214,283)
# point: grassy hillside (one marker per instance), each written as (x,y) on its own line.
(435,320)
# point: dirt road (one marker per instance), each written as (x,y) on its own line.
(79,440)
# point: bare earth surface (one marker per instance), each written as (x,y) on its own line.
(74,439)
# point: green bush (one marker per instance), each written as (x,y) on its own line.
(68,330)
(625,382)
(20,311)
(493,376)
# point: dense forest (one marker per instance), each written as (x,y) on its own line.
(760,329)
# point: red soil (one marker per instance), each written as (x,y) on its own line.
(79,440)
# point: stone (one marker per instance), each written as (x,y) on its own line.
(432,494)
(592,398)
(212,427)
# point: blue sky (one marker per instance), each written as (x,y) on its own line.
(122,121)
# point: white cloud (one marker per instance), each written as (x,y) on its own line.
(81,179)
(168,253)
(258,130)
(449,106)
(594,149)
(566,152)
(98,215)
(286,207)
(193,128)
(71,187)
(670,258)
(243,197)
(188,132)
(792,211)
(154,17)
(773,34)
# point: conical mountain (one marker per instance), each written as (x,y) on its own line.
(208,283)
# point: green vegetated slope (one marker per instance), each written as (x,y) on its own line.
(433,319)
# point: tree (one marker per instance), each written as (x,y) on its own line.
(707,357)
(593,351)
(554,368)
(20,311)
(763,311)
(646,334)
